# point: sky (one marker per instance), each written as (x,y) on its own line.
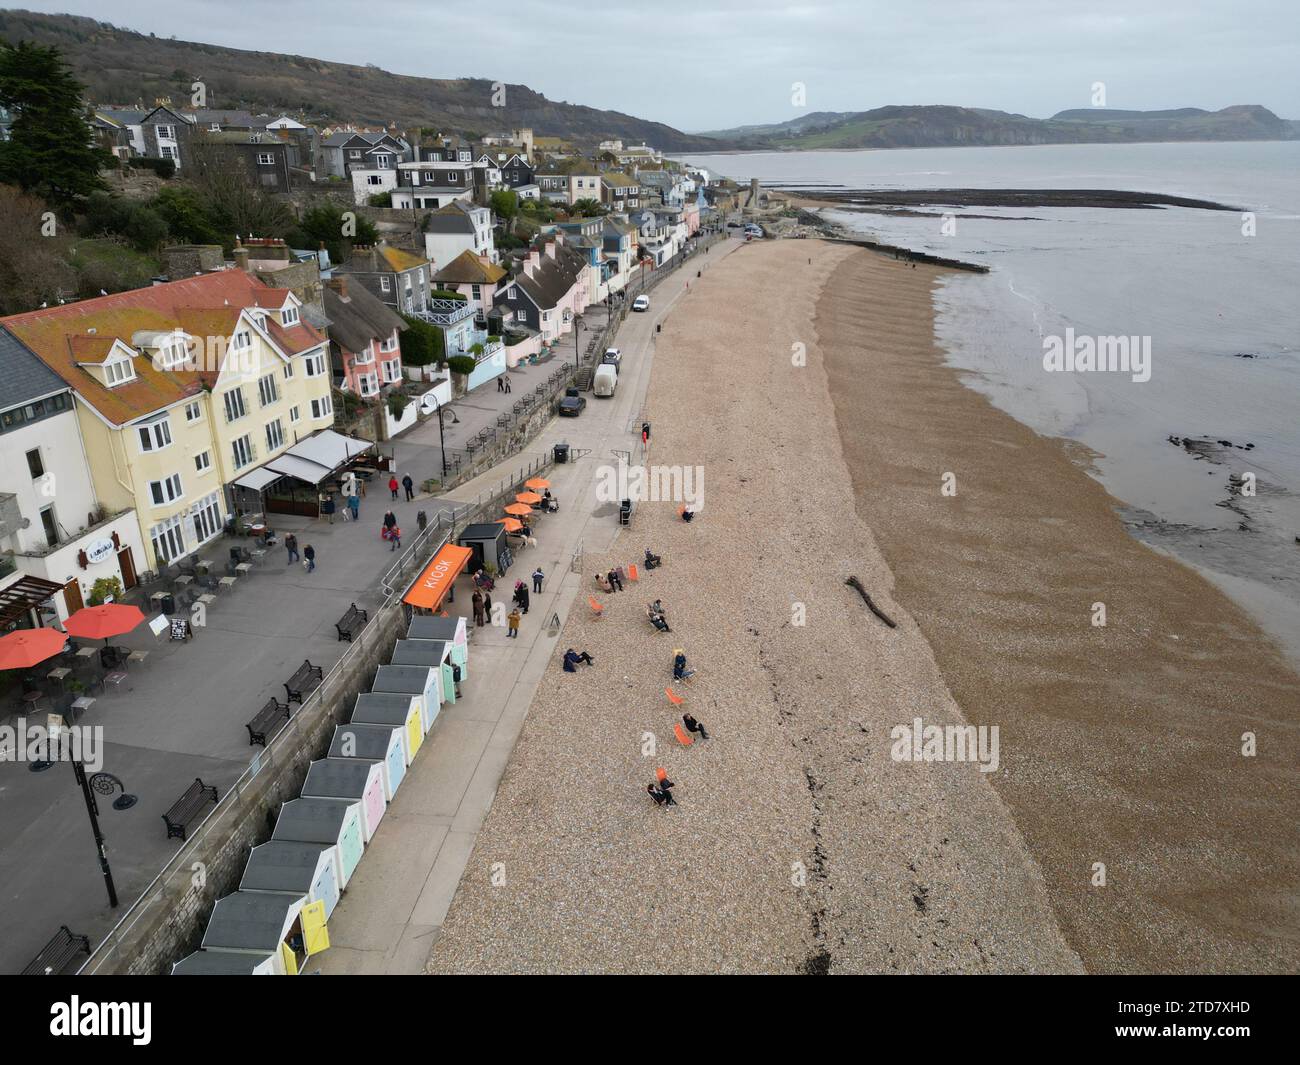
(713,64)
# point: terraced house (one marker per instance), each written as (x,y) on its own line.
(180,389)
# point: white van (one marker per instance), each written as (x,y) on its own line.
(605,381)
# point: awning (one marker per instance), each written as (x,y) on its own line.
(290,465)
(258,479)
(430,588)
(312,460)
(27,593)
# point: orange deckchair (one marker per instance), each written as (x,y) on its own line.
(596,607)
(632,573)
(661,774)
(681,510)
(683,737)
(676,700)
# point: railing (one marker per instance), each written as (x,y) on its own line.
(446,312)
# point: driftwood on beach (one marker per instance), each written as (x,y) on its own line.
(856,584)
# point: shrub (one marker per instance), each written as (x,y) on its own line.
(103,588)
(398,402)
(462,364)
(422,343)
(446,294)
(381,199)
(164,168)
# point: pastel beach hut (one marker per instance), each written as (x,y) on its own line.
(296,869)
(436,654)
(420,681)
(392,708)
(374,743)
(266,925)
(223,963)
(352,780)
(452,630)
(336,822)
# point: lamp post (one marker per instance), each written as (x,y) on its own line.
(577,324)
(442,440)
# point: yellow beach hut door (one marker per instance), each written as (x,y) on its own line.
(315,938)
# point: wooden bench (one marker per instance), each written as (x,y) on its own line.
(305,680)
(187,807)
(267,722)
(351,622)
(57,953)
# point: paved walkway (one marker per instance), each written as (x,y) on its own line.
(395,903)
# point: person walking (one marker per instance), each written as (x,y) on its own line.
(409,485)
(477,601)
(507,384)
(512,622)
(291,546)
(390,520)
(392,485)
(354,505)
(327,506)
(521,596)
(309,555)
(538,577)
(694,726)
(501,384)
(487,605)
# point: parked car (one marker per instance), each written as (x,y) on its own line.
(605,380)
(641,303)
(572,404)
(613,357)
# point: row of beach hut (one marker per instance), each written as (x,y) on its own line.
(279,917)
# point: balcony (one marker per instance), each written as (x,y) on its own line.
(477,336)
(445,313)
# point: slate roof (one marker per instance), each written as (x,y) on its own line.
(282,865)
(454,218)
(23,376)
(469,269)
(381,259)
(207,305)
(359,319)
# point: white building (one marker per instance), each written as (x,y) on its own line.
(56,539)
(456,228)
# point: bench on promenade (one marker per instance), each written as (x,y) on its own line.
(267,722)
(351,622)
(57,953)
(305,680)
(187,808)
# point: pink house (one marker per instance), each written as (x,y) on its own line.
(547,291)
(691,216)
(364,339)
(473,277)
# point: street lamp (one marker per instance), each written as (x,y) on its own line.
(103,784)
(577,324)
(442,440)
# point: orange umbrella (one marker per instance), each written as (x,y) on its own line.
(537,482)
(23,648)
(512,524)
(528,497)
(101,622)
(519,509)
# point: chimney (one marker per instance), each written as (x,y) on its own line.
(339,283)
(241,257)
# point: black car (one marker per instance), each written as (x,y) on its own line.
(572,404)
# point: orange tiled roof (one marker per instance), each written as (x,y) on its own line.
(401,260)
(468,268)
(204,306)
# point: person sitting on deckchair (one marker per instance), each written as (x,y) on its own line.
(655,612)
(652,561)
(680,672)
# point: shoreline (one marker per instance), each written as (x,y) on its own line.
(799,844)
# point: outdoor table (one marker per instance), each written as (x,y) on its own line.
(242,569)
(184,580)
(259,555)
(82,704)
(137,656)
(207,599)
(87,652)
(227,582)
(60,674)
(32,698)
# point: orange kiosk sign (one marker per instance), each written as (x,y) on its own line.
(431,587)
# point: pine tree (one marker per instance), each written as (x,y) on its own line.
(50,151)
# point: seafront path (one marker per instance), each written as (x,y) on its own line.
(389,917)
(182,713)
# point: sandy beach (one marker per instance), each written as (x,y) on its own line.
(798,845)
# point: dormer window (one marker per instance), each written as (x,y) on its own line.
(289,316)
(118,372)
(172,352)
(243,339)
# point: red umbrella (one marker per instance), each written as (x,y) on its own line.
(23,648)
(101,622)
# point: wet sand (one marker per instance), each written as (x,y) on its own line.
(798,844)
(1121,744)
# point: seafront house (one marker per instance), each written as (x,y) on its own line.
(618,245)
(547,292)
(463,335)
(364,347)
(181,389)
(456,228)
(398,278)
(619,192)
(473,277)
(56,538)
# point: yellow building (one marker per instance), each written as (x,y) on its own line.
(180,389)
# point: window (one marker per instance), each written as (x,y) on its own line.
(207,517)
(156,436)
(193,411)
(392,371)
(274,436)
(265,159)
(476,291)
(289,316)
(168,540)
(34,463)
(452,176)
(241,340)
(367,384)
(429,176)
(383,161)
(354,153)
(118,371)
(49,524)
(267,393)
(167,152)
(294,416)
(322,408)
(172,352)
(389,345)
(374,179)
(168,491)
(235,404)
(165,132)
(315,364)
(242,451)
(288,370)
(385,283)
(203,461)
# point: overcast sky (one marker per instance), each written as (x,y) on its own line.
(709,64)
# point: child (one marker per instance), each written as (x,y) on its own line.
(512,620)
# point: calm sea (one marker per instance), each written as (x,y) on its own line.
(1219,306)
